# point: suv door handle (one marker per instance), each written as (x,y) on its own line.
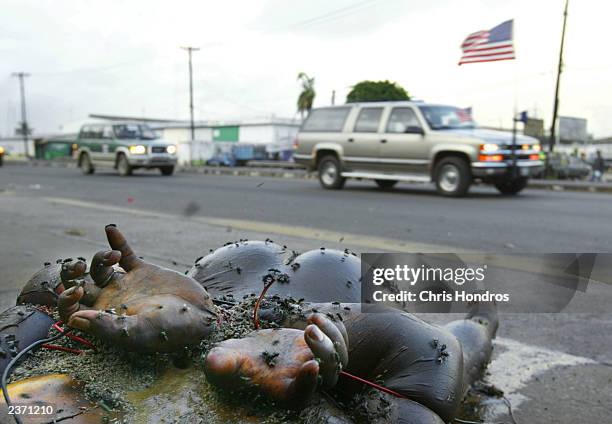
(350,140)
(384,140)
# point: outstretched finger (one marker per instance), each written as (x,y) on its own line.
(102,270)
(336,332)
(323,349)
(68,302)
(117,241)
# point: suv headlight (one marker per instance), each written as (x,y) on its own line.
(138,150)
(171,149)
(489,147)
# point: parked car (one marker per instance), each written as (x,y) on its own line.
(412,141)
(566,167)
(571,168)
(124,146)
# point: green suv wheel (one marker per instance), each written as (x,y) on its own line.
(123,166)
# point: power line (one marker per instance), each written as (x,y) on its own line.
(332,15)
(89,69)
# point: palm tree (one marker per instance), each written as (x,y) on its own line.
(306,97)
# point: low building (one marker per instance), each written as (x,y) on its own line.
(273,136)
(38,146)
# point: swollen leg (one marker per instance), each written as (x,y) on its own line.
(475,333)
(418,360)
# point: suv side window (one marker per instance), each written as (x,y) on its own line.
(107,132)
(85,130)
(326,120)
(368,119)
(96,131)
(402,120)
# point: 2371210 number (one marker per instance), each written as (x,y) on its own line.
(30,410)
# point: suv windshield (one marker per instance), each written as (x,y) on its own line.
(134,132)
(447,117)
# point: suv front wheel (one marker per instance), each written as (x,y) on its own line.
(452,176)
(123,166)
(330,173)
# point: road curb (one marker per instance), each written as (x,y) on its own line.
(555,186)
(250,172)
(40,163)
(303,174)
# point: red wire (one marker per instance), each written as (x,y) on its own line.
(62,348)
(374,385)
(73,337)
(256,309)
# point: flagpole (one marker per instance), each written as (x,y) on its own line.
(551,142)
(514,111)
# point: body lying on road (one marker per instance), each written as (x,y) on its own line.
(280,358)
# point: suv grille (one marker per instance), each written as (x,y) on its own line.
(158,149)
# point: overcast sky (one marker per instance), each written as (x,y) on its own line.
(123,57)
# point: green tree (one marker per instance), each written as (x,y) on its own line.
(306,97)
(376,91)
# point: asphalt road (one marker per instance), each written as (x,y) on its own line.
(535,221)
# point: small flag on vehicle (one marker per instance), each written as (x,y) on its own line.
(490,45)
(465,114)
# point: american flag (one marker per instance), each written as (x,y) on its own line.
(465,114)
(489,46)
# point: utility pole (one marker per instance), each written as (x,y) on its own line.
(189,50)
(24,128)
(551,142)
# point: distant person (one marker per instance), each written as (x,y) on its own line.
(598,166)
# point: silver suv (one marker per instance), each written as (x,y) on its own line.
(412,141)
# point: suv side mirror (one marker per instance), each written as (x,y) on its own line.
(413,129)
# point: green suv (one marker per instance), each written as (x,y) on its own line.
(124,146)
